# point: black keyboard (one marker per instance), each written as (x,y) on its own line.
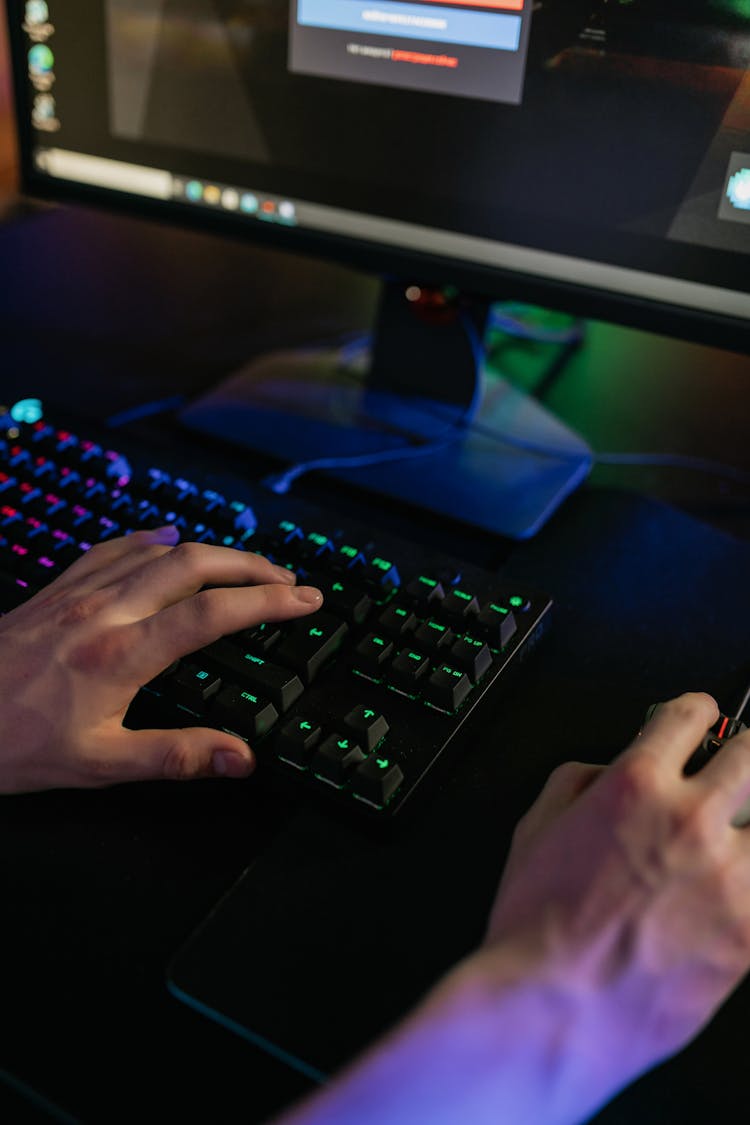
(355,702)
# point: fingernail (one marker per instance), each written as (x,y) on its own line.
(309,595)
(226,763)
(285,575)
(167,534)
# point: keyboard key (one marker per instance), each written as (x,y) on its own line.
(472,655)
(432,636)
(367,726)
(382,573)
(348,599)
(192,686)
(460,605)
(262,638)
(397,620)
(376,780)
(296,741)
(282,686)
(447,687)
(336,758)
(425,591)
(243,712)
(372,653)
(408,669)
(497,623)
(308,643)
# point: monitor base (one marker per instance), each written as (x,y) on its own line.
(506,474)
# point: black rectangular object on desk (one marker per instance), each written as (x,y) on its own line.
(409,641)
(329,939)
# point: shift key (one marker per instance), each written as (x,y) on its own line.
(278,684)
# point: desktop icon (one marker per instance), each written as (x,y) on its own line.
(287,211)
(27,410)
(36,12)
(738,189)
(44,113)
(41,60)
(194,191)
(734,201)
(249,203)
(230,199)
(211,194)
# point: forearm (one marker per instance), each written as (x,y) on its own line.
(492,1043)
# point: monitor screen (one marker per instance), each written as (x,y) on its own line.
(582,150)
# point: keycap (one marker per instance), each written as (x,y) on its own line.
(408,669)
(192,686)
(348,599)
(296,741)
(367,726)
(459,604)
(431,636)
(497,623)
(447,687)
(376,780)
(306,644)
(397,620)
(243,712)
(424,590)
(472,655)
(256,674)
(372,653)
(335,759)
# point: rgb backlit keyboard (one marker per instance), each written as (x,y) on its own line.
(356,702)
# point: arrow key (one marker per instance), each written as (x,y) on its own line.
(367,726)
(376,780)
(336,758)
(296,741)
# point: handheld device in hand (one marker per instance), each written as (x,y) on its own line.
(714,739)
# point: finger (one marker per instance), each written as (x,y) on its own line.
(676,729)
(125,547)
(198,621)
(184,570)
(179,755)
(563,787)
(726,778)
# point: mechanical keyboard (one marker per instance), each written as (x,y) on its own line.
(356,702)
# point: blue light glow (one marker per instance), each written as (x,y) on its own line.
(738,189)
(27,410)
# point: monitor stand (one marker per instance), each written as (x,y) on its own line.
(497,460)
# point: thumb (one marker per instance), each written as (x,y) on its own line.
(179,755)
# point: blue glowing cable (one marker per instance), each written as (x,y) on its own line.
(282,482)
(144,410)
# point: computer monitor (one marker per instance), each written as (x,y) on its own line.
(586,155)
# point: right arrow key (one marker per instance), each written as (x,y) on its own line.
(376,780)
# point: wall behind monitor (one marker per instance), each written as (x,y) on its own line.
(8,150)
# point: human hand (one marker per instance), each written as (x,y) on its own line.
(621,923)
(73,657)
(627,895)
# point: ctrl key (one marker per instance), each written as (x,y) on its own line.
(376,780)
(243,712)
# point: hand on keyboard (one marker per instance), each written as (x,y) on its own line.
(73,657)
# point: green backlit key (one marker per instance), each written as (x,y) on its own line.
(243,712)
(296,741)
(447,687)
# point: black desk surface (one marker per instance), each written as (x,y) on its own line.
(100,889)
